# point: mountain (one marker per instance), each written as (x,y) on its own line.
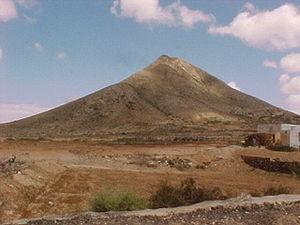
(169,99)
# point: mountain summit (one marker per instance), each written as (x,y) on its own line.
(170,98)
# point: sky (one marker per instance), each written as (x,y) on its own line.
(55,51)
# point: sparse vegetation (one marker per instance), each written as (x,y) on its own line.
(26,139)
(72,183)
(281,148)
(180,164)
(271,191)
(277,190)
(126,107)
(295,170)
(166,195)
(116,201)
(186,193)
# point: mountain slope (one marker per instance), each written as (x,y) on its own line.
(168,98)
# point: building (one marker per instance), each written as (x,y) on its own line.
(283,134)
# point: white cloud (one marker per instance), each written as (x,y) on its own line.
(293,102)
(233,85)
(148,11)
(270,63)
(290,85)
(189,17)
(28,4)
(249,6)
(61,55)
(284,78)
(38,47)
(291,63)
(277,29)
(7,10)
(11,112)
(151,12)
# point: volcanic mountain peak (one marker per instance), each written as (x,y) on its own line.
(168,98)
(171,61)
(173,71)
(177,64)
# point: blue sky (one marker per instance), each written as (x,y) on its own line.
(54,51)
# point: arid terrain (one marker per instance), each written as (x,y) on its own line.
(271,210)
(168,122)
(169,100)
(149,112)
(58,177)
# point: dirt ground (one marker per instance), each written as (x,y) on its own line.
(58,177)
(244,210)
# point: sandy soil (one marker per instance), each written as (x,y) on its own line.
(60,177)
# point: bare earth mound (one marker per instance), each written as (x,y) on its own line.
(167,100)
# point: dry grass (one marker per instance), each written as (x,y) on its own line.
(277,190)
(186,193)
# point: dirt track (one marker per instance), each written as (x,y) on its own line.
(60,177)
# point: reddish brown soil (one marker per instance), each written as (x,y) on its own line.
(60,177)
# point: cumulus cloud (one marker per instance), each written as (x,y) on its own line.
(61,55)
(152,12)
(7,10)
(270,63)
(290,85)
(291,63)
(233,85)
(38,47)
(293,102)
(249,6)
(11,112)
(284,78)
(277,29)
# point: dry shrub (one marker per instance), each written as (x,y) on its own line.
(281,148)
(186,193)
(277,191)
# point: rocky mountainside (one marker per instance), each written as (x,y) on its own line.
(169,99)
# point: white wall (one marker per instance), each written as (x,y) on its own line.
(294,137)
(273,128)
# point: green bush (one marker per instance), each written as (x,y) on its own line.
(116,201)
(186,193)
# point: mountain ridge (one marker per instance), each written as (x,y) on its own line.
(167,99)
